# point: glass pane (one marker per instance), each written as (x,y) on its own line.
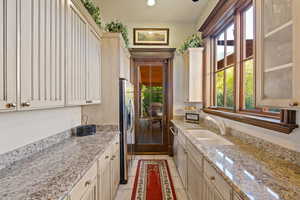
(276,13)
(249,102)
(220,54)
(248,32)
(282,81)
(220,89)
(279,48)
(230,45)
(150,129)
(229,87)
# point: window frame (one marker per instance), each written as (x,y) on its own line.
(237,19)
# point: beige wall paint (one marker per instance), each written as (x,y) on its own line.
(21,128)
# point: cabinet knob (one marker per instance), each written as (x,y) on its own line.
(89,101)
(294,104)
(87,183)
(11,105)
(106,157)
(212,178)
(113,157)
(25,104)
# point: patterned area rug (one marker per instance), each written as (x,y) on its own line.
(153,181)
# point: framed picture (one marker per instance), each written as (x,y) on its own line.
(151,36)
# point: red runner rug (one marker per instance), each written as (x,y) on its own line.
(153,181)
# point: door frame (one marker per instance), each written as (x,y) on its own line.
(152,55)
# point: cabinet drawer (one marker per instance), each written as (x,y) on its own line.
(217,180)
(104,159)
(196,155)
(83,185)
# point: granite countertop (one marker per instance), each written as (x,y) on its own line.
(53,172)
(253,174)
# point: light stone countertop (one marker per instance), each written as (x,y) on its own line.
(52,173)
(254,175)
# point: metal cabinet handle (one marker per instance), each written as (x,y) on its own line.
(89,101)
(87,183)
(106,157)
(212,178)
(173,131)
(294,104)
(11,105)
(26,104)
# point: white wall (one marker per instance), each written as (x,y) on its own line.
(21,128)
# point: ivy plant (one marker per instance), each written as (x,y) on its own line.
(118,27)
(93,10)
(194,41)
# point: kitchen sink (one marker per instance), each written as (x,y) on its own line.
(208,137)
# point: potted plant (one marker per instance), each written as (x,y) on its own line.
(194,41)
(93,10)
(118,27)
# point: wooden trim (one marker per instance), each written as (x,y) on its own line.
(263,122)
(151,29)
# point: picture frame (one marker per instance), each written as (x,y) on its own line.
(151,36)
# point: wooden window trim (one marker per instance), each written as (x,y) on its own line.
(224,13)
(259,121)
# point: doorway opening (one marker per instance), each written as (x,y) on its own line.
(153,83)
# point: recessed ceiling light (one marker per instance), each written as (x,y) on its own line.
(151,2)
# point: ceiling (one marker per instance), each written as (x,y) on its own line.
(175,11)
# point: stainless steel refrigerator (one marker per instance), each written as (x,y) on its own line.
(127,136)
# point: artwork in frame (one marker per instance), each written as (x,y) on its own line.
(151,36)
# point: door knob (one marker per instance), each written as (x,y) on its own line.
(25,104)
(11,105)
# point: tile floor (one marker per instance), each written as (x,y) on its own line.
(124,191)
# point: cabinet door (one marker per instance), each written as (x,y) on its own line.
(209,192)
(175,150)
(42,53)
(104,187)
(91,193)
(194,179)
(8,55)
(182,164)
(277,47)
(76,67)
(115,171)
(93,68)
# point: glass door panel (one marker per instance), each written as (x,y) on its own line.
(151,101)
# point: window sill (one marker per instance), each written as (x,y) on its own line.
(263,122)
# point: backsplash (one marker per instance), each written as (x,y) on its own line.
(26,151)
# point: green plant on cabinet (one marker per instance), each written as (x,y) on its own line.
(118,27)
(194,41)
(93,10)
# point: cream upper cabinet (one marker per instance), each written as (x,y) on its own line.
(8,55)
(93,90)
(193,67)
(84,57)
(42,53)
(76,67)
(278,50)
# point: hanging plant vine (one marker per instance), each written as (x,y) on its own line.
(93,10)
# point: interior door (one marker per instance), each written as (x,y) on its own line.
(151,109)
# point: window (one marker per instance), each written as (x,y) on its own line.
(224,69)
(234,54)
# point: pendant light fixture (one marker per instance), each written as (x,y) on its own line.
(151,2)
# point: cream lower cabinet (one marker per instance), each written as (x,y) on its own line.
(115,169)
(182,159)
(8,55)
(109,172)
(86,188)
